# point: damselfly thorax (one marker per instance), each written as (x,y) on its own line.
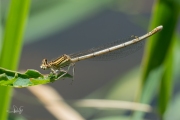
(56,64)
(70,60)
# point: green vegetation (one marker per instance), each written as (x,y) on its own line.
(29,78)
(154,80)
(11,46)
(159,55)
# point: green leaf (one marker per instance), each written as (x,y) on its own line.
(158,50)
(29,78)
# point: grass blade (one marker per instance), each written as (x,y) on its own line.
(12,42)
(165,13)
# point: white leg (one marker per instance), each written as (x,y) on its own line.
(73,71)
(54,71)
(65,71)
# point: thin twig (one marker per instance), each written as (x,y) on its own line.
(113,104)
(59,109)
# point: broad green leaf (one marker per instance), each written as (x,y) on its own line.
(29,78)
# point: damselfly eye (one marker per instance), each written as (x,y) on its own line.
(44,64)
(44,61)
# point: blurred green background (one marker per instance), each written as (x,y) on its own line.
(50,28)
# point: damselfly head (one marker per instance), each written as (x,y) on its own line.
(44,64)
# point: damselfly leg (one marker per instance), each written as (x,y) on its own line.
(66,71)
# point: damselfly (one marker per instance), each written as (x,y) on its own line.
(70,60)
